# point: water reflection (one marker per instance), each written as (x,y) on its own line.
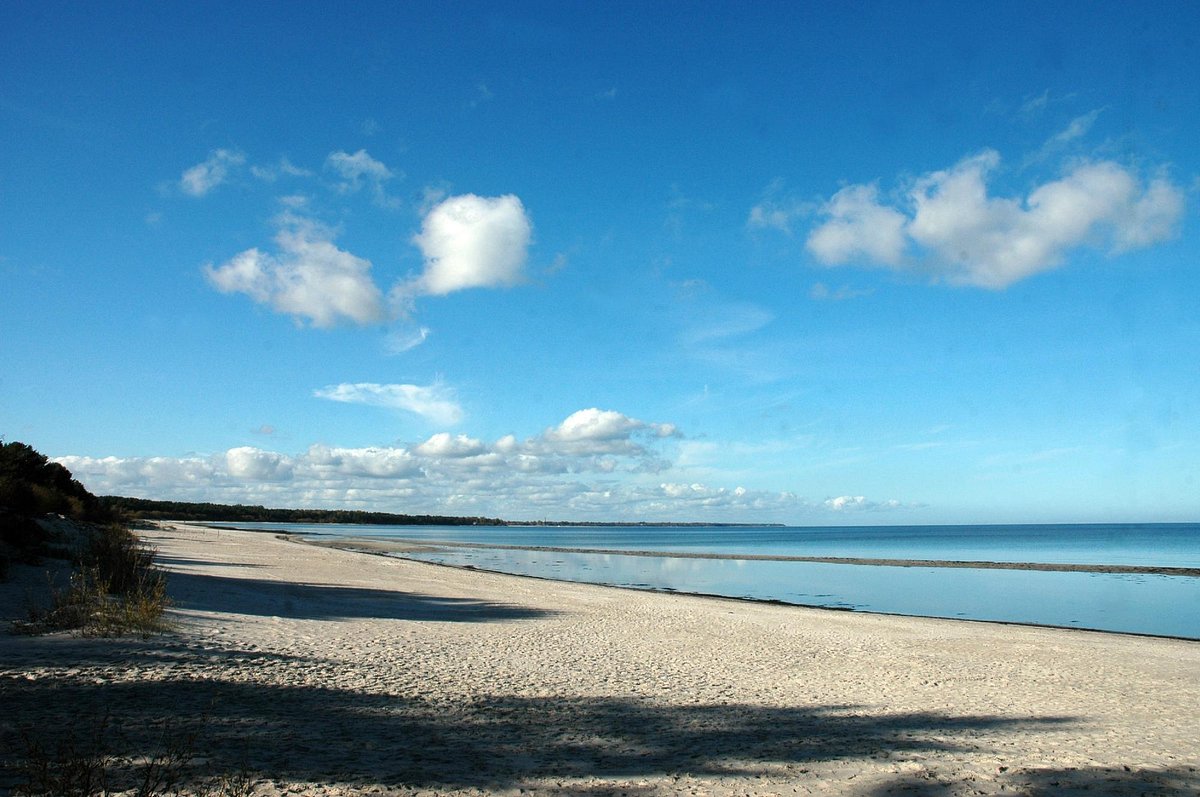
(1144,604)
(1161,544)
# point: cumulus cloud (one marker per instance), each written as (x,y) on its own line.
(539,477)
(327,462)
(255,464)
(118,473)
(309,278)
(467,241)
(443,445)
(434,402)
(853,503)
(969,237)
(595,431)
(471,241)
(204,177)
(858,226)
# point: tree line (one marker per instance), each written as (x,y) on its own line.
(145,509)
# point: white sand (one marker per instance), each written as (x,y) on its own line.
(322,671)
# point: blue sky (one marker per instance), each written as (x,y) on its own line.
(859,263)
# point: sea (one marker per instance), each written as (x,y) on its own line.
(1155,592)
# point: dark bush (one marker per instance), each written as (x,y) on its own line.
(114,590)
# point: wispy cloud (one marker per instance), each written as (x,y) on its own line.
(821,292)
(401,340)
(1075,130)
(481,95)
(436,402)
(284,168)
(212,172)
(966,236)
(777,211)
(712,322)
(361,170)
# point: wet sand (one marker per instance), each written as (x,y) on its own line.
(323,671)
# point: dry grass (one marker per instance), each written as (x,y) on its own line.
(114,590)
(85,765)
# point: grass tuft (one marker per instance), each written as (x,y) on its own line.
(114,590)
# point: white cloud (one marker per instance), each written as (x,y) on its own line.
(1035,104)
(309,279)
(541,477)
(285,168)
(1078,127)
(1152,218)
(327,463)
(472,242)
(443,445)
(971,238)
(402,340)
(823,293)
(358,170)
(772,215)
(434,402)
(593,432)
(254,464)
(713,321)
(854,503)
(594,424)
(118,473)
(858,226)
(204,177)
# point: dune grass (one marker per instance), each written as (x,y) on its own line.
(114,590)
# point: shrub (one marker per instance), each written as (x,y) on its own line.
(21,538)
(114,590)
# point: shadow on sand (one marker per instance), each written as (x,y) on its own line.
(292,730)
(267,598)
(321,734)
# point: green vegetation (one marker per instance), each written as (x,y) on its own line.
(181,510)
(114,587)
(30,484)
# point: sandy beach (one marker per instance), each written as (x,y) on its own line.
(323,671)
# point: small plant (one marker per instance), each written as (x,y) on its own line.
(72,768)
(114,590)
(89,767)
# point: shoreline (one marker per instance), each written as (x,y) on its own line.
(321,671)
(396,549)
(1188,572)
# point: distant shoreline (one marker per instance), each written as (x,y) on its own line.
(190,512)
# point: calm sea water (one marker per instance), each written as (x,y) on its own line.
(1166,605)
